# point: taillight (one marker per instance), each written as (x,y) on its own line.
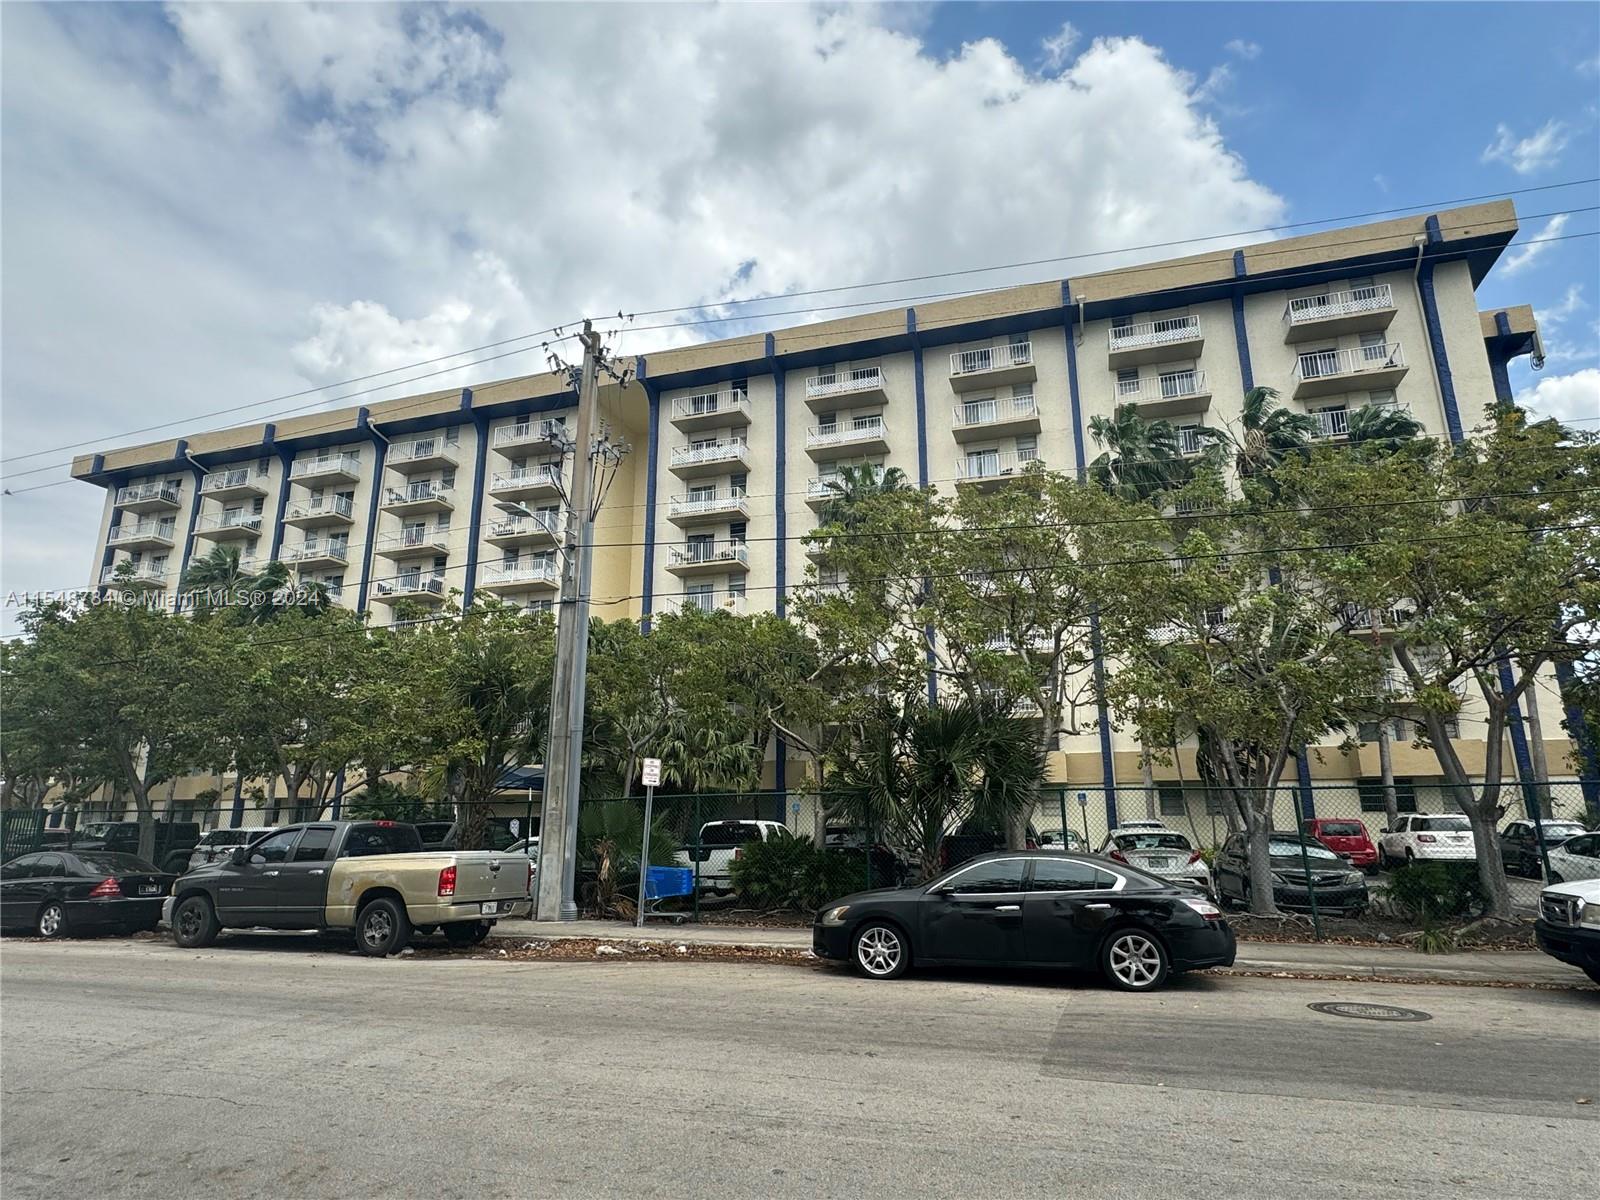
(447,881)
(106,889)
(738,851)
(385,824)
(1194,858)
(1118,856)
(1426,837)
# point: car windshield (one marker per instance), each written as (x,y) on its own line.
(1292,850)
(116,864)
(1443,824)
(1562,829)
(729,833)
(381,839)
(1152,841)
(1341,829)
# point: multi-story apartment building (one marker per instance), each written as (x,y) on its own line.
(735,441)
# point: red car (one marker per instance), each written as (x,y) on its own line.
(1344,836)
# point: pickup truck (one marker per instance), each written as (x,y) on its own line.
(371,877)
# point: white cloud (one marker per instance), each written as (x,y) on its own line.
(1561,346)
(1058,46)
(1589,66)
(1532,153)
(231,202)
(1573,397)
(1243,49)
(1525,254)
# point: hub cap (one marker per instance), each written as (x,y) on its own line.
(1135,960)
(376,927)
(878,950)
(50,921)
(189,921)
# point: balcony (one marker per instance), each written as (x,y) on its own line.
(702,558)
(542,434)
(143,575)
(1190,442)
(143,535)
(527,482)
(729,602)
(538,529)
(328,510)
(995,418)
(317,552)
(230,526)
(521,576)
(713,458)
(823,489)
(830,390)
(1166,394)
(991,366)
(150,497)
(995,467)
(236,484)
(864,435)
(711,410)
(421,497)
(1155,341)
(424,454)
(409,543)
(1360,310)
(424,586)
(327,468)
(1359,618)
(1332,423)
(1327,372)
(722,504)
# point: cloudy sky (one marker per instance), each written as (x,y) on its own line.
(208,207)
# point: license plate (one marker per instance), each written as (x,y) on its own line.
(489,907)
(149,889)
(1160,862)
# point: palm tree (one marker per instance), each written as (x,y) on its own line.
(1142,458)
(1268,435)
(221,580)
(921,773)
(1382,428)
(218,580)
(853,485)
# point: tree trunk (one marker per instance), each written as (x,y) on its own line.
(1391,800)
(1147,776)
(1262,901)
(1541,766)
(1483,816)
(147,819)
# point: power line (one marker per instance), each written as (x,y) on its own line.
(1405,258)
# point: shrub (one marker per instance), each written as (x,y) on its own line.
(1438,890)
(786,871)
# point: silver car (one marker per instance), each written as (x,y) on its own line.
(216,844)
(1162,852)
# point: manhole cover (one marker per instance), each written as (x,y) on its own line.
(1371,1012)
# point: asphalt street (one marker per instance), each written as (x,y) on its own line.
(263,1068)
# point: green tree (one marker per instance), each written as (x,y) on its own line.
(856,482)
(1266,436)
(1382,428)
(1142,459)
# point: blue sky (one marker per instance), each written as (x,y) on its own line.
(209,206)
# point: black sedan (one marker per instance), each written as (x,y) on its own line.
(1030,910)
(1336,885)
(56,892)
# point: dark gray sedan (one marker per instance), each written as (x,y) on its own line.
(1300,868)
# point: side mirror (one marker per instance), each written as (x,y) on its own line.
(236,856)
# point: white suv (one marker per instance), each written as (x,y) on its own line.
(1417,838)
(720,844)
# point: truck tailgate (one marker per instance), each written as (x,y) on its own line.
(490,875)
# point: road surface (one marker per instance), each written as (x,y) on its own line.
(266,1068)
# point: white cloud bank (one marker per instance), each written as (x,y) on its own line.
(1535,152)
(1573,397)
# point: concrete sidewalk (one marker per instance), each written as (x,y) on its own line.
(1266,958)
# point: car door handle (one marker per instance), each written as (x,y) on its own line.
(1007,907)
(269,872)
(318,871)
(1097,905)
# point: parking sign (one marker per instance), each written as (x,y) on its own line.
(652,772)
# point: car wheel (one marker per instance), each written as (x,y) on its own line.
(1134,960)
(1411,859)
(194,923)
(382,928)
(52,920)
(461,934)
(881,951)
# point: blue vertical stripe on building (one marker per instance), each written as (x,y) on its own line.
(380,452)
(922,397)
(1436,344)
(1519,742)
(647,587)
(1588,752)
(480,464)
(1069,327)
(1241,338)
(285,459)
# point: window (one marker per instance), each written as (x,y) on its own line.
(1027,449)
(49,866)
(274,849)
(1371,793)
(736,585)
(738,482)
(21,868)
(1068,875)
(736,532)
(365,840)
(1000,875)
(1381,399)
(258,505)
(1587,846)
(447,479)
(740,387)
(1170,798)
(704,491)
(314,844)
(1121,322)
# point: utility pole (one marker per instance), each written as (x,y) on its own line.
(558,823)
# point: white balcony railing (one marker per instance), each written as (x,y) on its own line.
(732,499)
(326,464)
(992,412)
(991,358)
(698,553)
(1189,440)
(223,522)
(536,523)
(139,531)
(1324,364)
(844,383)
(1332,422)
(1154,333)
(712,404)
(141,573)
(538,570)
(870,429)
(413,583)
(416,493)
(1330,305)
(733,602)
(144,493)
(525,433)
(436,538)
(423,450)
(823,487)
(309,549)
(219,481)
(329,506)
(1175,385)
(996,464)
(543,475)
(726,450)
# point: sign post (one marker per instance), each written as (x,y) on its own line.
(652,776)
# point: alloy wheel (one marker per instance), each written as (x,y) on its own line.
(50,921)
(376,928)
(189,921)
(878,950)
(1135,960)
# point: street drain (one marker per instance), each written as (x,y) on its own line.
(1371,1012)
